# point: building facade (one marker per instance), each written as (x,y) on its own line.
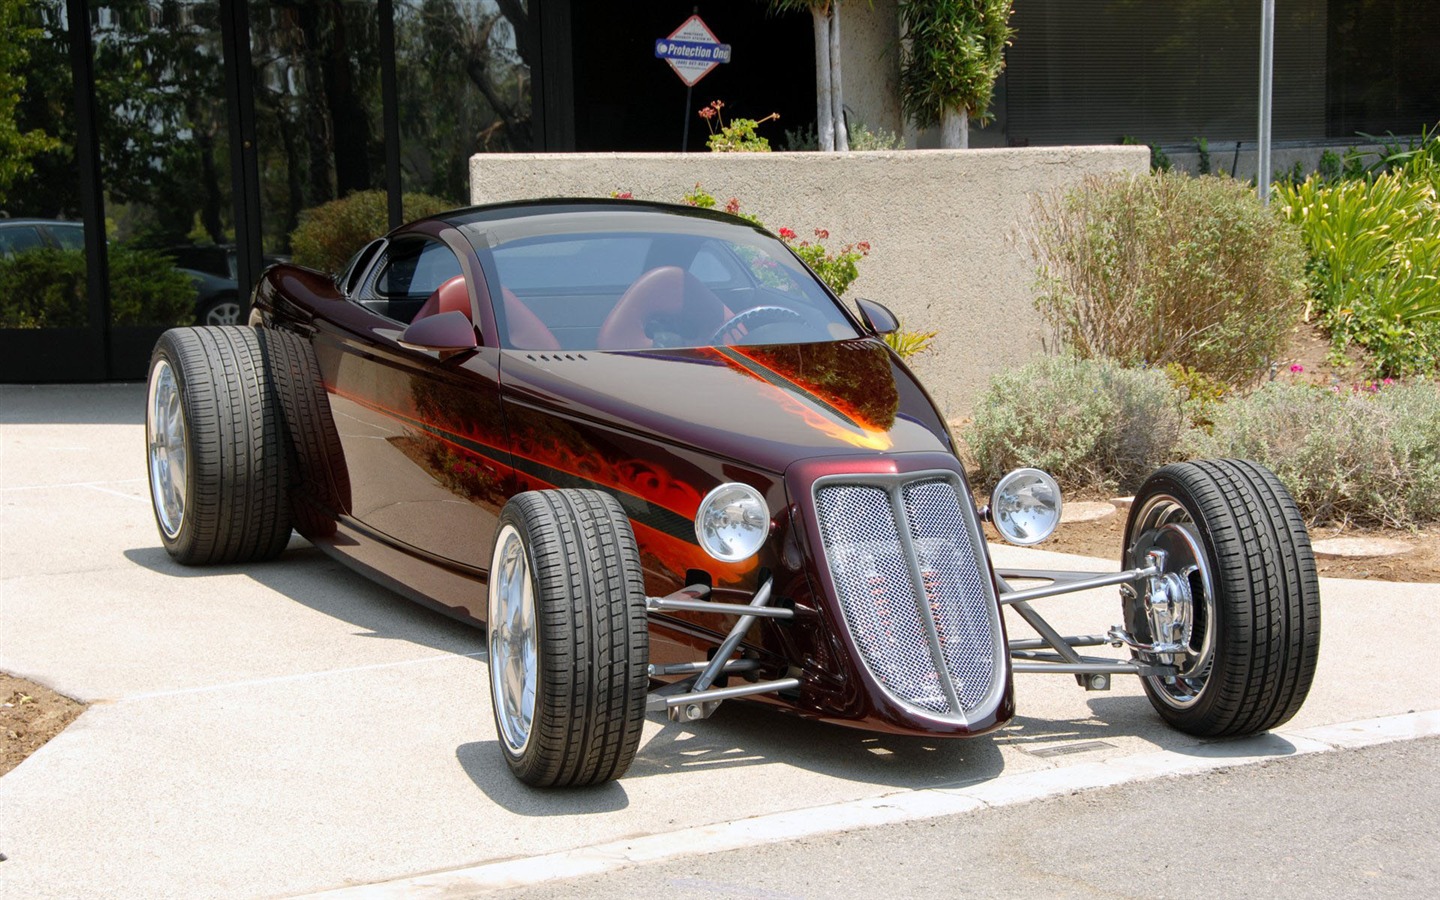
(160,136)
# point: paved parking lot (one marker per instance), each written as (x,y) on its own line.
(285,728)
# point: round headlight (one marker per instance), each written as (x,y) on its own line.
(1025,506)
(733,522)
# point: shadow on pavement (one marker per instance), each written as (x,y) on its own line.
(482,761)
(309,577)
(56,404)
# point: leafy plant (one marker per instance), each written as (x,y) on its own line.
(1367,457)
(737,137)
(949,63)
(1374,267)
(1089,422)
(47,289)
(909,344)
(802,138)
(1166,268)
(328,235)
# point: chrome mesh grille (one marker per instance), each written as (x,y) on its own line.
(956,594)
(876,585)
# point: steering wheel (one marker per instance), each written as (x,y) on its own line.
(752,318)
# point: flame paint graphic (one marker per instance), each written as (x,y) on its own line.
(827,415)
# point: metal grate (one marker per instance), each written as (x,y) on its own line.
(953,587)
(883,605)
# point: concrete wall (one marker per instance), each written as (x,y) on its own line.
(946,227)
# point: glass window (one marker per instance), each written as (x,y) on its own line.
(69,237)
(16,239)
(165,163)
(318,119)
(41,287)
(416,269)
(602,279)
(475,54)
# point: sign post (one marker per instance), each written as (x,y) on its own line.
(693,51)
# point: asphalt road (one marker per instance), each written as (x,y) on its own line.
(1361,822)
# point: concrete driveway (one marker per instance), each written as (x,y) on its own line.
(278,729)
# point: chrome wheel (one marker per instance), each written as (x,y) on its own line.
(165,437)
(225,312)
(513,642)
(1166,525)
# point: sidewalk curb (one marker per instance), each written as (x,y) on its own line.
(893,808)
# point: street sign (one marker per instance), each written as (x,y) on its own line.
(692,50)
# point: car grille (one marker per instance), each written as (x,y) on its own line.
(921,610)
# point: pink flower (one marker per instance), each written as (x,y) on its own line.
(821,233)
(623,195)
(1388,381)
(864,247)
(732,206)
(707,113)
(786,233)
(1296,369)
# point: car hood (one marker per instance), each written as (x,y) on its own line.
(763,406)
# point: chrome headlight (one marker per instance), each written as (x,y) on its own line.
(1025,506)
(733,522)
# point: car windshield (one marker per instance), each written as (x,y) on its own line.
(633,280)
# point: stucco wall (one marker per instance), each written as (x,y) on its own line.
(946,227)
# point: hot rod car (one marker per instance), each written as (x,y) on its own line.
(665,467)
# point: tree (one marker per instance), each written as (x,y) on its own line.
(18,144)
(829,95)
(954,50)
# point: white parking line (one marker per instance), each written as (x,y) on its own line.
(892,808)
(98,485)
(297,676)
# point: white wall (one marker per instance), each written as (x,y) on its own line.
(945,226)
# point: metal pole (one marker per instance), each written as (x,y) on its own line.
(685,137)
(1267,68)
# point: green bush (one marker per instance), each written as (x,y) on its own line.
(330,234)
(1374,269)
(1367,457)
(1165,269)
(47,289)
(1088,422)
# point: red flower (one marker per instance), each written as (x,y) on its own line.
(864,247)
(707,113)
(786,233)
(623,195)
(732,206)
(821,233)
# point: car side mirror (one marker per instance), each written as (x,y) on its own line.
(877,317)
(447,334)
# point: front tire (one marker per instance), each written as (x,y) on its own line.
(567,637)
(1256,599)
(215,445)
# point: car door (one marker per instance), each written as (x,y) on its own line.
(422,435)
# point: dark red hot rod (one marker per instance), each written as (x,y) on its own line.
(648,449)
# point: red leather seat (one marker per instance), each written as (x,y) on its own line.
(450,296)
(668,295)
(525,329)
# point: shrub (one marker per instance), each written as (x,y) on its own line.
(1368,457)
(48,289)
(328,235)
(1088,422)
(1168,269)
(1374,267)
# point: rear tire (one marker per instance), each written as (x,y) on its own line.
(320,481)
(568,638)
(1256,638)
(216,447)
